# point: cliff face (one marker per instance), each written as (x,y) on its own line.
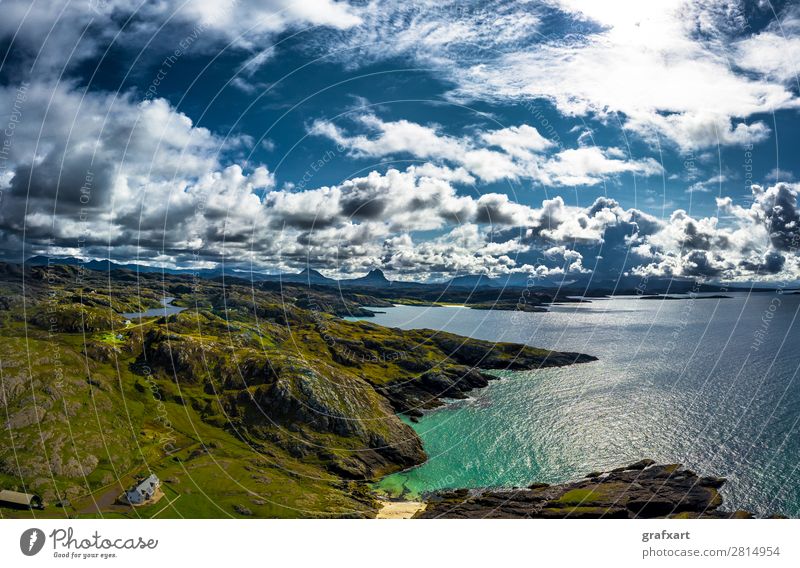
(642,490)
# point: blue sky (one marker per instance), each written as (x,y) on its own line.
(565,139)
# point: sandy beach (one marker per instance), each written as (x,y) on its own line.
(399,509)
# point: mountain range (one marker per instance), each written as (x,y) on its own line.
(582,284)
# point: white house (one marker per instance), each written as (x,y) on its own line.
(144,491)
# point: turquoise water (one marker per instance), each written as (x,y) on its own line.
(690,381)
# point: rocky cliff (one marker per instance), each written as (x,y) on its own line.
(643,490)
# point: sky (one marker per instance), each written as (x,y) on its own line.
(562,139)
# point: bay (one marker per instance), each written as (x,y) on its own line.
(710,383)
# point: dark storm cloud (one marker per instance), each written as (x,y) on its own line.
(66,183)
(772,263)
(699,263)
(779,204)
(363,208)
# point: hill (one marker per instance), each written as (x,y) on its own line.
(255,400)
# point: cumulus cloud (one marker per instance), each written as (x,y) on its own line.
(515,152)
(425,142)
(463,250)
(90,171)
(111,170)
(243,19)
(590,165)
(761,244)
(405,201)
(518,141)
(555,239)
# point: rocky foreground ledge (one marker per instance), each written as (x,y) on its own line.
(641,490)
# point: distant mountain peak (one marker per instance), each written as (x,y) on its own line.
(376,274)
(374,278)
(307,276)
(311,272)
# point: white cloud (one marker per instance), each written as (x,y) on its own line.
(701,129)
(506,153)
(518,141)
(713,183)
(778,174)
(438,32)
(761,244)
(770,54)
(242,19)
(425,142)
(394,137)
(590,165)
(464,250)
(775,51)
(665,66)
(113,171)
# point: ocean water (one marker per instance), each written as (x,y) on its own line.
(710,383)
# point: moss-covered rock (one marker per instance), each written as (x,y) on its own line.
(641,490)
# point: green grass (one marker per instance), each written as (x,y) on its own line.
(586,496)
(103,418)
(110,338)
(578,496)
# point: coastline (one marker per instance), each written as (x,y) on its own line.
(642,490)
(400,509)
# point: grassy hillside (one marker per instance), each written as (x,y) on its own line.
(254,401)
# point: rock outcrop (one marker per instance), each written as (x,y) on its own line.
(642,490)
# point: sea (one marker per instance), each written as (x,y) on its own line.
(711,383)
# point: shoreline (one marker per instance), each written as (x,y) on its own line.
(400,509)
(641,490)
